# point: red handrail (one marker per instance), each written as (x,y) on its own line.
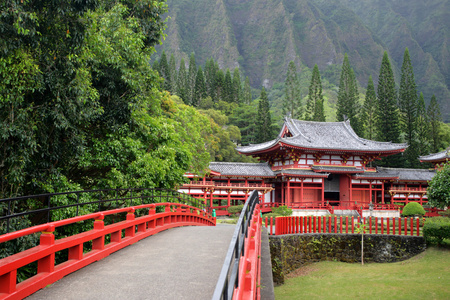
(174,215)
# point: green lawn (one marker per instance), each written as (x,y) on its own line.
(426,276)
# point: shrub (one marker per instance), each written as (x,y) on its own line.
(282,210)
(235,209)
(269,215)
(436,230)
(413,209)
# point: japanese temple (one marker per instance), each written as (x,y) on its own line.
(437,159)
(313,167)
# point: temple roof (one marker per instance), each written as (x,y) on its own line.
(242,169)
(300,172)
(407,174)
(331,169)
(436,157)
(323,136)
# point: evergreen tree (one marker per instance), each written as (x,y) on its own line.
(247,93)
(219,85)
(423,127)
(200,87)
(347,95)
(237,90)
(407,100)
(369,111)
(182,82)
(164,72)
(434,116)
(210,76)
(190,81)
(173,74)
(244,117)
(314,105)
(228,87)
(292,102)
(264,120)
(155,65)
(388,115)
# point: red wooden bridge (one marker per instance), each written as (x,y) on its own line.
(182,263)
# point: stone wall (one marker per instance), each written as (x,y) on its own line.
(290,252)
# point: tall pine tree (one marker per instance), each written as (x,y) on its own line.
(369,111)
(314,105)
(264,120)
(247,92)
(182,82)
(347,102)
(228,87)
(423,127)
(173,74)
(200,87)
(164,72)
(292,102)
(407,100)
(237,90)
(434,116)
(388,114)
(190,80)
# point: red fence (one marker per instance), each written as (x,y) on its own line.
(122,234)
(329,224)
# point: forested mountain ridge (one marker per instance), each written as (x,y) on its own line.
(261,37)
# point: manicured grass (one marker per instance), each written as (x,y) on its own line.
(426,276)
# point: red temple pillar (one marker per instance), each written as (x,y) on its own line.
(288,200)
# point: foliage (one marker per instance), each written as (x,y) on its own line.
(292,102)
(264,126)
(314,104)
(439,187)
(434,117)
(369,111)
(347,103)
(236,209)
(423,127)
(413,209)
(282,210)
(436,230)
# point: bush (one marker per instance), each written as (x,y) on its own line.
(436,230)
(413,209)
(282,211)
(270,215)
(235,209)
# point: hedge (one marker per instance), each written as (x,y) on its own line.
(436,230)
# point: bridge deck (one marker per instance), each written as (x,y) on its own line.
(179,263)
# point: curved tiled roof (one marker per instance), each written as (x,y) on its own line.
(324,135)
(437,157)
(242,169)
(408,174)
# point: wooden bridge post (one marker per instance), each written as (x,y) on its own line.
(47,239)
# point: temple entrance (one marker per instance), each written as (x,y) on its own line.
(332,189)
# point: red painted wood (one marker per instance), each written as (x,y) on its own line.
(44,254)
(376,225)
(353,225)
(393,226)
(417,226)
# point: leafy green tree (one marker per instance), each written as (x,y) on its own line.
(292,101)
(369,111)
(434,117)
(388,113)
(247,93)
(244,117)
(264,119)
(423,127)
(314,104)
(347,102)
(407,100)
(439,188)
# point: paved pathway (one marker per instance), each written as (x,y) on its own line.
(179,263)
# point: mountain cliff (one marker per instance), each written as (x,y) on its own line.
(261,37)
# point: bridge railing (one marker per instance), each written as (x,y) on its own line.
(104,239)
(241,271)
(41,207)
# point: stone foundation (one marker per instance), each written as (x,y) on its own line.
(290,252)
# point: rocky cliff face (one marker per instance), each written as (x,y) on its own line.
(262,36)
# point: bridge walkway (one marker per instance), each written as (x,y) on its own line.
(179,263)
